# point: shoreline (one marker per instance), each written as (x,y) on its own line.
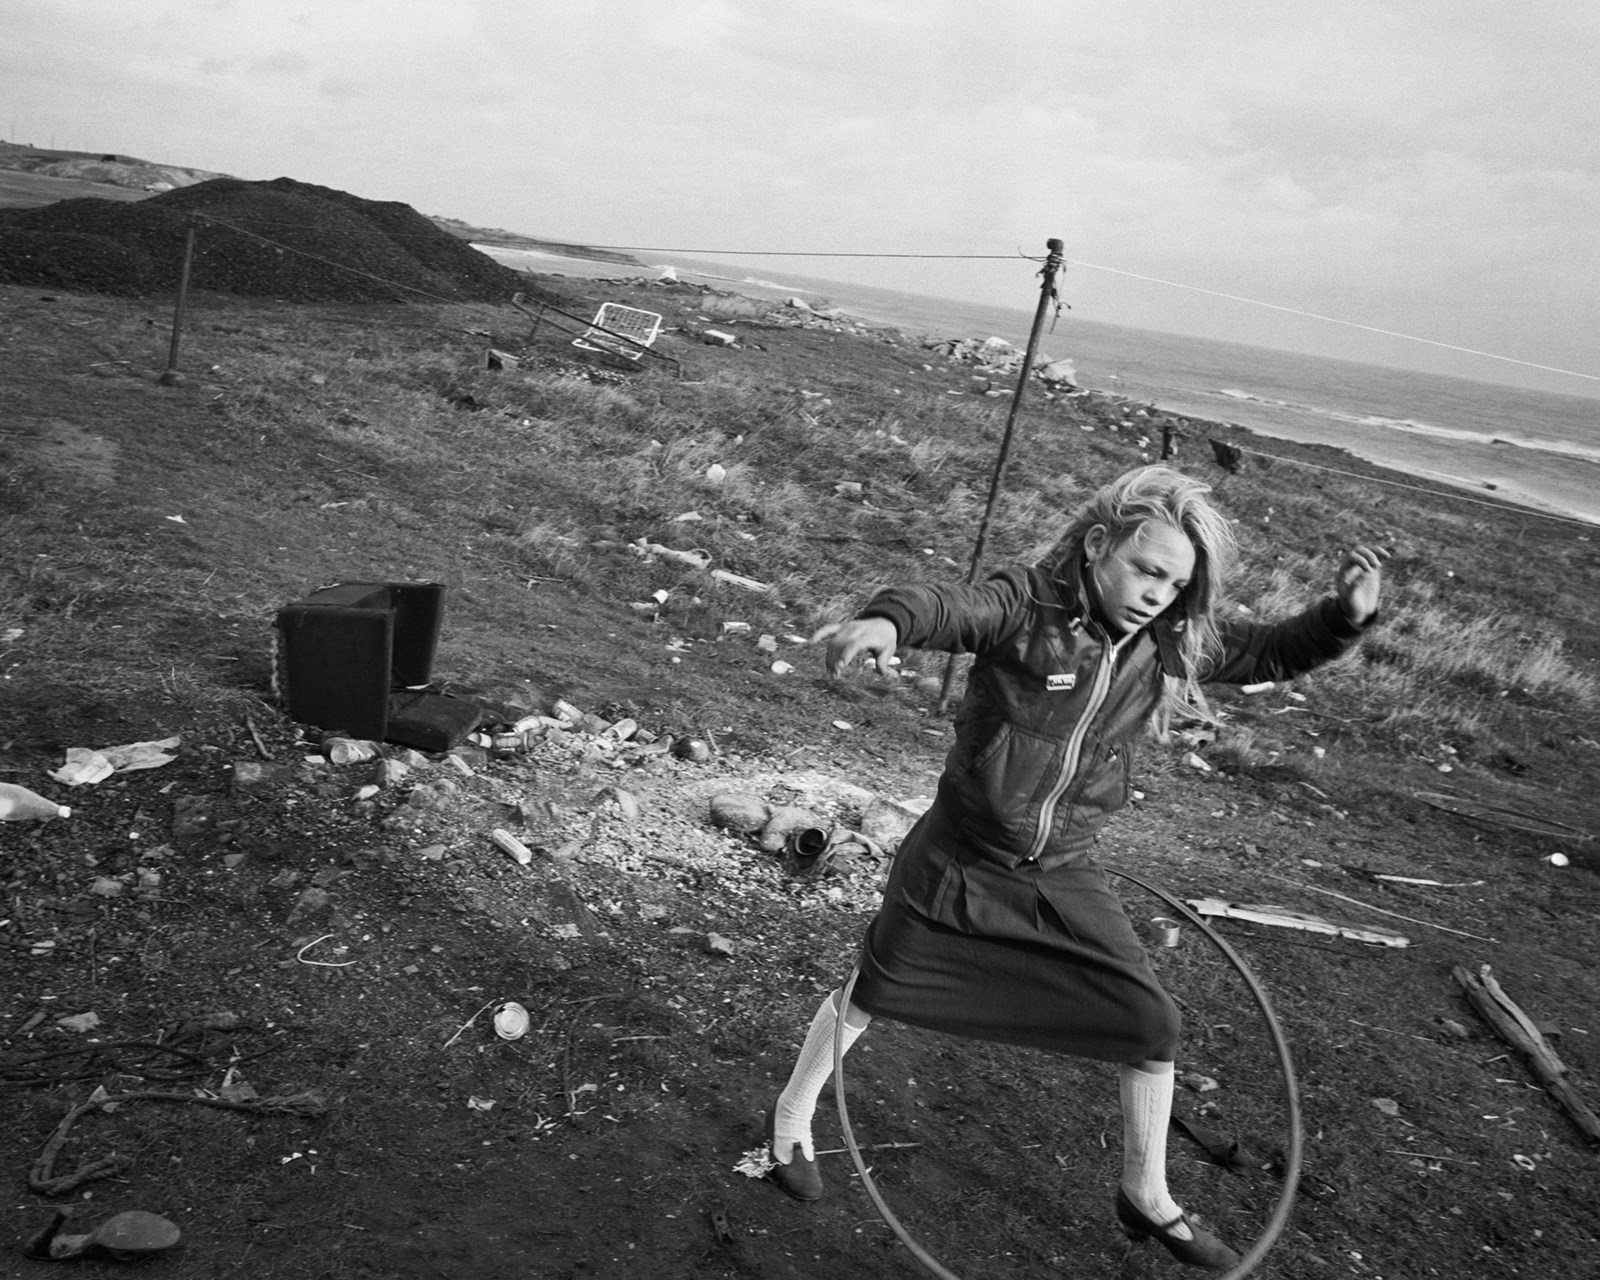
(1495,495)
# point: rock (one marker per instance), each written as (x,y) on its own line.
(784,821)
(311,902)
(887,821)
(695,749)
(1059,373)
(253,775)
(191,815)
(739,812)
(625,802)
(390,772)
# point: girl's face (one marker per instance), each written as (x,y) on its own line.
(1137,578)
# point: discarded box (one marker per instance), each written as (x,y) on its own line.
(343,650)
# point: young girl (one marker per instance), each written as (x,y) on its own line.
(996,921)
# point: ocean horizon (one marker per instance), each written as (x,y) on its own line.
(1536,449)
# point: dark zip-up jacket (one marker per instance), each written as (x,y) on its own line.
(1046,732)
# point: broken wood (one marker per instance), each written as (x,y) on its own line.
(1367,906)
(1517,1029)
(1285,918)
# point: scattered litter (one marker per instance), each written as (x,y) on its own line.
(781,668)
(757,1163)
(843,724)
(511,1021)
(300,955)
(85,766)
(79,1022)
(695,559)
(1388,1106)
(738,580)
(519,852)
(717,945)
(18,804)
(1265,686)
(1288,919)
(341,750)
(475,1103)
(1195,762)
(716,473)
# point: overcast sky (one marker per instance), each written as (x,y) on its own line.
(1425,166)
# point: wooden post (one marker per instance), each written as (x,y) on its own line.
(171,377)
(1047,295)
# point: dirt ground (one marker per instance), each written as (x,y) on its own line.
(359,946)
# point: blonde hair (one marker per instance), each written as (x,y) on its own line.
(1149,495)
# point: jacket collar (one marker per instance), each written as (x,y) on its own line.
(1165,630)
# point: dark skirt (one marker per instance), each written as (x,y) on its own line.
(1047,959)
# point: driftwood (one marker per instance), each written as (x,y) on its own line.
(1288,919)
(1517,1029)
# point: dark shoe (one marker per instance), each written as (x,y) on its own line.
(1204,1250)
(800,1177)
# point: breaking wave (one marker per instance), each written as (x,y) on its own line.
(1410,426)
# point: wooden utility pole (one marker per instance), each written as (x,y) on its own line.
(171,377)
(1047,295)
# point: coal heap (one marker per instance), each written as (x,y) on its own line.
(279,239)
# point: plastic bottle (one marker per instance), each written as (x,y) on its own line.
(18,804)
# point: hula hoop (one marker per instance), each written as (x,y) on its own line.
(1292,1161)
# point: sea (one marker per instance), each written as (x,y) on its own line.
(1537,449)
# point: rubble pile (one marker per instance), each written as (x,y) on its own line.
(281,239)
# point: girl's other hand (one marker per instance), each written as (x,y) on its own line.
(848,641)
(1358,582)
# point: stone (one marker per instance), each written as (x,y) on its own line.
(739,812)
(783,822)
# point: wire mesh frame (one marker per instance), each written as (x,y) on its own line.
(614,320)
(540,311)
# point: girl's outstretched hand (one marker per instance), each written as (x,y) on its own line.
(848,641)
(1358,582)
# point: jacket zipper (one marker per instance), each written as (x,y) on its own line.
(1069,764)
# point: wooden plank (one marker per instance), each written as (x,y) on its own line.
(1283,917)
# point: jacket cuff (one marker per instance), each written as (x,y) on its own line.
(1338,621)
(891,612)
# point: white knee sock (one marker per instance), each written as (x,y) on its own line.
(791,1121)
(1146,1111)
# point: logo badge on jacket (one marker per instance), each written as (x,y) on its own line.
(1061,681)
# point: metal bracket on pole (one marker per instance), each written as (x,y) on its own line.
(1047,295)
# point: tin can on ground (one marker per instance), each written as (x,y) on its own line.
(511,1021)
(1165,931)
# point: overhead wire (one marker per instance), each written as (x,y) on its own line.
(1132,275)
